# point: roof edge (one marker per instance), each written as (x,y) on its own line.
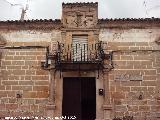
(99,20)
(129,19)
(33,20)
(80,3)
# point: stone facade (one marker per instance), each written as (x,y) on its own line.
(24,84)
(132,86)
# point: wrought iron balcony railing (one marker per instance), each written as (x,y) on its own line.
(80,53)
(81,57)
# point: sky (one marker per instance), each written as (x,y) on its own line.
(51,9)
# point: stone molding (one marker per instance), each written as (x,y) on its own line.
(107,107)
(50,107)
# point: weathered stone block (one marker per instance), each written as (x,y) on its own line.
(29,94)
(150,77)
(40,88)
(121,108)
(17,62)
(8,82)
(42,82)
(131,83)
(144,108)
(26,82)
(148,83)
(133,108)
(41,72)
(11,106)
(20,87)
(118,95)
(134,88)
(12,100)
(40,77)
(42,94)
(18,72)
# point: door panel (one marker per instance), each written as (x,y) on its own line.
(71,98)
(79,98)
(88,98)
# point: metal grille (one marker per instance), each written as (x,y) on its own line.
(79,52)
(79,47)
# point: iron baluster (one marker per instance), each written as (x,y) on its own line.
(96,55)
(84,52)
(58,54)
(76,48)
(76,52)
(70,55)
(90,55)
(67,56)
(87,53)
(92,47)
(73,54)
(81,54)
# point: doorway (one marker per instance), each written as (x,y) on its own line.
(79,98)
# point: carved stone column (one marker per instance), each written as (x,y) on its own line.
(107,107)
(50,107)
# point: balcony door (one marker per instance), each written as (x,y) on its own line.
(79,98)
(79,47)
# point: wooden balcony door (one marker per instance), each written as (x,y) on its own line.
(79,47)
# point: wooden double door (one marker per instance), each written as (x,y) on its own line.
(79,98)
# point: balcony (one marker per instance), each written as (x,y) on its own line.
(78,57)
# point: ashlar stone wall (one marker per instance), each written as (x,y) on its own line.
(135,79)
(24,85)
